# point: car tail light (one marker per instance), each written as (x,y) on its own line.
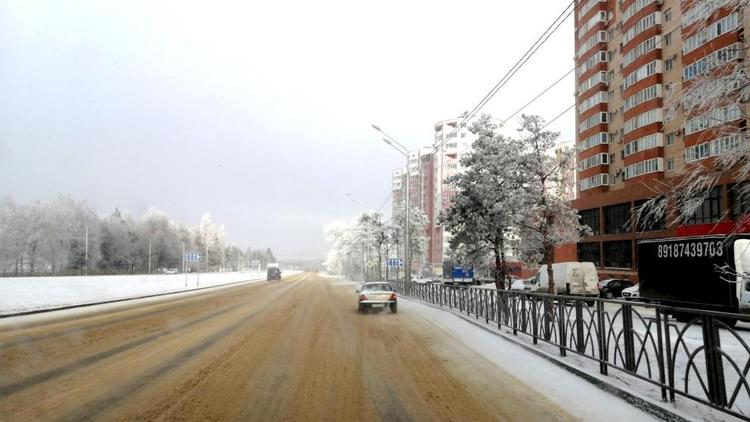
(393,296)
(362,297)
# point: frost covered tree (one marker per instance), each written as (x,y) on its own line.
(417,227)
(548,219)
(485,214)
(373,234)
(63,234)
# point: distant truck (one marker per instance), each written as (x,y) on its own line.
(573,278)
(458,274)
(702,272)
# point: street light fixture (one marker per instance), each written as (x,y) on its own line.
(407,245)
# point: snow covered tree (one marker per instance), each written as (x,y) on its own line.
(548,218)
(417,226)
(485,214)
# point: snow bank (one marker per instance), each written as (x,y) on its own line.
(24,294)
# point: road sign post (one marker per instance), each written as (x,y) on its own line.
(194,257)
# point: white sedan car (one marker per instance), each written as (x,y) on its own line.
(377,295)
(631,293)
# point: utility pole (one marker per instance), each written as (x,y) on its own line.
(206,256)
(407,226)
(86,259)
(407,246)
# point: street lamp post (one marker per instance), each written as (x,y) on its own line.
(407,249)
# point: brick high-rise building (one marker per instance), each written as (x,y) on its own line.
(633,57)
(429,191)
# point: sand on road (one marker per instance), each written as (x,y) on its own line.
(290,350)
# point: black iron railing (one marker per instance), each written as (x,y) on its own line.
(706,359)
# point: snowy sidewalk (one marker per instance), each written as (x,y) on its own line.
(25,294)
(579,397)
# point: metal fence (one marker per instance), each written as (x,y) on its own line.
(705,360)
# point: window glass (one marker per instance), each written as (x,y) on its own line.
(589,252)
(739,198)
(618,254)
(616,218)
(591,218)
(710,209)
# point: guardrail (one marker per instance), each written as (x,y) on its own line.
(705,360)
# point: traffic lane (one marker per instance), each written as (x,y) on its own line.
(45,372)
(295,350)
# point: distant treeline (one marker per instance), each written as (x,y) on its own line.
(64,235)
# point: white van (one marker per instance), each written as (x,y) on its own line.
(580,277)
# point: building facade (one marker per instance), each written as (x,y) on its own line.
(636,61)
(430,167)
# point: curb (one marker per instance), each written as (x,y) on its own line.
(645,405)
(84,305)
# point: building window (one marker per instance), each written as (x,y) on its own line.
(670,164)
(649,224)
(618,254)
(668,64)
(668,39)
(739,200)
(667,15)
(670,139)
(589,252)
(463,134)
(616,218)
(591,218)
(710,210)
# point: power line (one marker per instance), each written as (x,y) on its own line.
(551,29)
(538,96)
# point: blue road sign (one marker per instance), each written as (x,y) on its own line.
(192,257)
(394,262)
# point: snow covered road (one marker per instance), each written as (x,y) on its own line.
(23,294)
(290,350)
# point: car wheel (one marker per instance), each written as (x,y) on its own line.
(360,308)
(609,295)
(394,308)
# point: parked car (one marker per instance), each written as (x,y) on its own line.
(612,288)
(170,271)
(519,285)
(377,295)
(631,293)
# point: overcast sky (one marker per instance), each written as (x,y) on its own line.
(258,112)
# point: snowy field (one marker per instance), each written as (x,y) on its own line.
(24,294)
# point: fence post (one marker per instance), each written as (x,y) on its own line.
(670,366)
(534,321)
(561,324)
(717,388)
(627,335)
(524,317)
(660,343)
(487,295)
(514,313)
(602,338)
(579,326)
(498,308)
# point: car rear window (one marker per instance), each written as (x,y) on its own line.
(377,286)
